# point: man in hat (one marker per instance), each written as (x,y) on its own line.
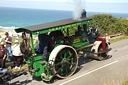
(3,53)
(17,55)
(8,41)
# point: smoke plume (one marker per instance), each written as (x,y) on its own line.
(77,10)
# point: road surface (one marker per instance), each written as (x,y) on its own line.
(90,72)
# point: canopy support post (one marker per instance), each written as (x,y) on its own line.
(33,50)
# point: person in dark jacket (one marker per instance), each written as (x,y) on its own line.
(3,53)
(43,44)
(8,41)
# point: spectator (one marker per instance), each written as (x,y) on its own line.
(17,55)
(107,38)
(3,53)
(8,41)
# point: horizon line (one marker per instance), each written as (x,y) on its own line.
(60,9)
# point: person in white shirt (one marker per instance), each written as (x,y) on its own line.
(17,55)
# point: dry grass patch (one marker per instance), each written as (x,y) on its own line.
(23,68)
(115,39)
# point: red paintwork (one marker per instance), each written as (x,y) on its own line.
(103,42)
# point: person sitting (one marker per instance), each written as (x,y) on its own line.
(17,55)
(3,53)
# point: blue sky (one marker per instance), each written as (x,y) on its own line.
(120,6)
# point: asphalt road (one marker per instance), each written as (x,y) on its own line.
(111,71)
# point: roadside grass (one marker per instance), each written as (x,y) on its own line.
(116,39)
(112,82)
(125,83)
(115,82)
(24,67)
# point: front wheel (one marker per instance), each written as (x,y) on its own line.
(104,55)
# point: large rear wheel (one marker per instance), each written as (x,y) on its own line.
(65,61)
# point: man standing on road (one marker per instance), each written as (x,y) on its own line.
(17,55)
(3,53)
(8,41)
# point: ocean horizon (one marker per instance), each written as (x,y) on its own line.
(21,17)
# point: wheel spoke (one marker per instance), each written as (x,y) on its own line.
(71,63)
(69,70)
(65,54)
(69,56)
(58,59)
(62,71)
(57,67)
(57,64)
(66,69)
(61,55)
(70,59)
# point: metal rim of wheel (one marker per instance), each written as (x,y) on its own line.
(65,61)
(103,55)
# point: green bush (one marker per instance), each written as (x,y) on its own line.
(109,24)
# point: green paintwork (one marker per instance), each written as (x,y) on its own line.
(80,41)
(33,51)
(35,62)
(60,41)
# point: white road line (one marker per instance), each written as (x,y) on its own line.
(89,72)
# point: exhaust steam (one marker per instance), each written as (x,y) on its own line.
(77,10)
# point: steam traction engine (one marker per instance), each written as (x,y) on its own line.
(70,37)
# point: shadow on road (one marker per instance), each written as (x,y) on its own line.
(82,60)
(48,82)
(18,82)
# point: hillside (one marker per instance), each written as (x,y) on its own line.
(109,24)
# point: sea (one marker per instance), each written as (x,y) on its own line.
(22,17)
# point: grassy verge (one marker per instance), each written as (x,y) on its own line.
(125,83)
(115,39)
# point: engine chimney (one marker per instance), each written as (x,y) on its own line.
(83,14)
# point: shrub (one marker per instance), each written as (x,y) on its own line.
(109,24)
